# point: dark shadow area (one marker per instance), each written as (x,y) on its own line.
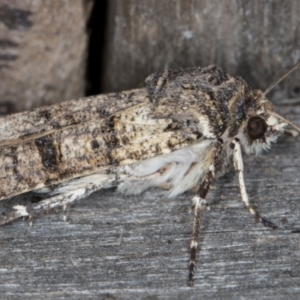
(96,28)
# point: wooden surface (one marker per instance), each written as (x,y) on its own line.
(43,48)
(257,40)
(116,247)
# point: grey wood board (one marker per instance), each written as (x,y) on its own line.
(123,247)
(257,40)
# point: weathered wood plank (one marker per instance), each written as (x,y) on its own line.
(257,40)
(116,247)
(43,48)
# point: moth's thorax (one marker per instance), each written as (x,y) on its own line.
(198,98)
(214,104)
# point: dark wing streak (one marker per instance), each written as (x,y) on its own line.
(58,116)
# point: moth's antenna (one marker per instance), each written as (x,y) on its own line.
(281,78)
(285,120)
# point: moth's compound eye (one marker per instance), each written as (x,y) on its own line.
(256,127)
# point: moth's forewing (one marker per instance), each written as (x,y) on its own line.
(53,150)
(28,125)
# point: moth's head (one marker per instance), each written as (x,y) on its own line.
(261,125)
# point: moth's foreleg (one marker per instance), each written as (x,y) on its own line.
(239,167)
(63,196)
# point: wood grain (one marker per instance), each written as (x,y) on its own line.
(43,48)
(116,247)
(257,40)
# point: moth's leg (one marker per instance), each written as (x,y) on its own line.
(215,161)
(65,195)
(239,167)
(199,204)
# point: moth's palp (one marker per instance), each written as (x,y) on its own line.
(285,120)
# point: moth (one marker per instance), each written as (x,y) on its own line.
(183,130)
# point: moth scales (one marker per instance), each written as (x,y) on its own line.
(182,131)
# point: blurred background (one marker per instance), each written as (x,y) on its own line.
(53,50)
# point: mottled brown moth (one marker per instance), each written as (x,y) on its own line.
(182,131)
